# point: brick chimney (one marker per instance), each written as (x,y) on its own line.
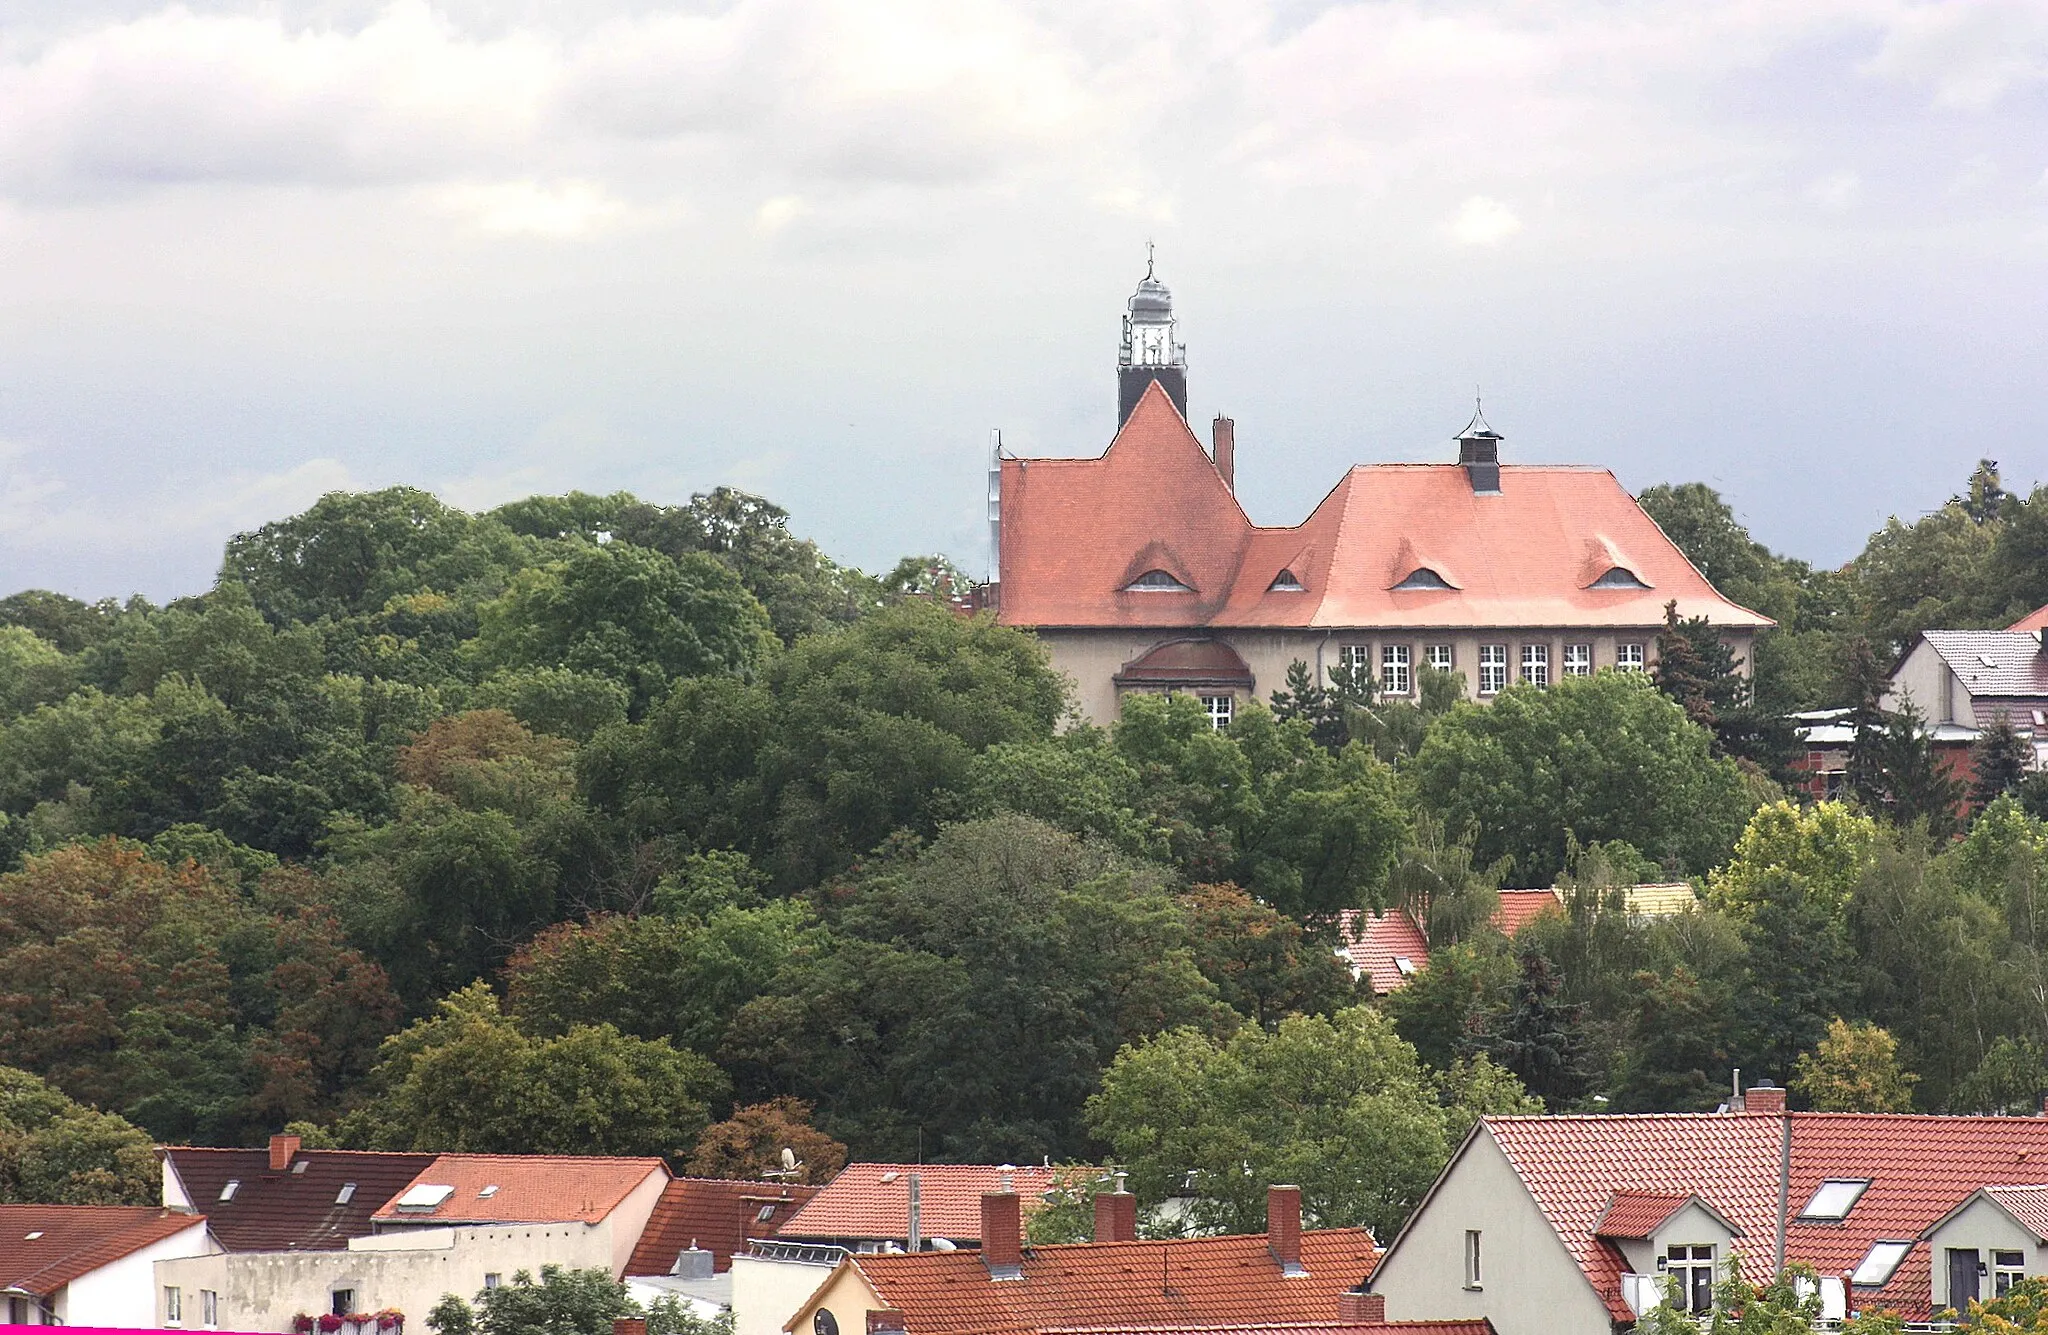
(885,1321)
(1365,1308)
(629,1325)
(1763,1099)
(1223,434)
(282,1148)
(1283,1228)
(1002,1235)
(1116,1216)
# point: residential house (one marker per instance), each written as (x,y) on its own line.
(1140,571)
(1577,1223)
(697,1227)
(461,1223)
(284,1198)
(867,1209)
(90,1265)
(1280,1277)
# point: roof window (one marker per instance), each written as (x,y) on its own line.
(347,1193)
(485,1193)
(1422,577)
(424,1196)
(227,1193)
(764,1214)
(1834,1198)
(1285,582)
(1618,577)
(33,1236)
(1156,581)
(888,1177)
(1876,1268)
(300,1167)
(1404,966)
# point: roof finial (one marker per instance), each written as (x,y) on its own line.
(1148,259)
(1478,423)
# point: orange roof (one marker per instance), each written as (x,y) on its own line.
(1177,1283)
(2034,620)
(1077,533)
(518,1189)
(872,1200)
(1519,906)
(48,1246)
(717,1214)
(1376,943)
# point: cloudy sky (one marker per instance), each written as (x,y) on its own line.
(818,248)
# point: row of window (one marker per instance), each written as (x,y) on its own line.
(174,1307)
(1396,663)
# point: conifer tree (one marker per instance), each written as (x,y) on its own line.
(1542,1037)
(1999,758)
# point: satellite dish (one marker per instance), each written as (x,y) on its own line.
(944,1245)
(788,1157)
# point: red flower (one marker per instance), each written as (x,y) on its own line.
(330,1323)
(303,1324)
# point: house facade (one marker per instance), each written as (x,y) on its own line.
(1578,1224)
(91,1265)
(1140,571)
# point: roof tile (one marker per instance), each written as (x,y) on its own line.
(291,1210)
(872,1200)
(45,1247)
(523,1188)
(717,1214)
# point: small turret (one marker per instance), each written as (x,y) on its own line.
(1151,348)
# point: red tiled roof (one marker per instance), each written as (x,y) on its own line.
(1636,1214)
(1519,906)
(1077,532)
(291,1210)
(872,1200)
(1186,662)
(2027,1205)
(717,1214)
(1178,1283)
(523,1188)
(2034,620)
(1374,941)
(1919,1169)
(73,1240)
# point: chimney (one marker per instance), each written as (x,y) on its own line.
(629,1325)
(1365,1308)
(1116,1216)
(1283,1228)
(914,1241)
(1763,1099)
(282,1148)
(1223,432)
(1002,1235)
(885,1321)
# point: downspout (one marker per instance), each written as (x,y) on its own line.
(1784,1188)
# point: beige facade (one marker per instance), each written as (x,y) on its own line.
(767,1292)
(1091,658)
(1527,1282)
(1990,1241)
(1926,679)
(846,1294)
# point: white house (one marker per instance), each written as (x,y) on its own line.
(90,1265)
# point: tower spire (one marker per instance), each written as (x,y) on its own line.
(1151,349)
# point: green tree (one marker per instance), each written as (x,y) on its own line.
(1263,965)
(467,1078)
(1893,769)
(1854,1068)
(1999,760)
(2011,1080)
(564,1302)
(1339,1105)
(1436,882)
(54,1151)
(1800,973)
(1678,1054)
(1446,1010)
(1829,846)
(1539,1036)
(1592,759)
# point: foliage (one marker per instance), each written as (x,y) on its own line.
(1855,1068)
(750,1144)
(1999,760)
(1589,759)
(1828,846)
(1436,882)
(2011,1080)
(1539,1038)
(54,1151)
(1338,1104)
(563,1302)
(468,1079)
(2021,1310)
(1263,964)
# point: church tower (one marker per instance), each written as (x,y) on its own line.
(1151,351)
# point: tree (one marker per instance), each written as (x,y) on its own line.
(1593,759)
(54,1151)
(564,1302)
(1829,846)
(1855,1068)
(1799,973)
(1264,966)
(1999,760)
(1893,769)
(468,1079)
(1539,1039)
(2011,1080)
(1328,710)
(1436,882)
(752,1141)
(1446,1010)
(1678,1053)
(1338,1105)
(2020,1310)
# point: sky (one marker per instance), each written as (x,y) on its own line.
(818,249)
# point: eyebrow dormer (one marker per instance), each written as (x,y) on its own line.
(1157,581)
(1604,566)
(1619,577)
(1422,577)
(1286,582)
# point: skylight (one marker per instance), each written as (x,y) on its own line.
(487,1192)
(299,1168)
(1875,1270)
(1285,582)
(1422,577)
(1834,1199)
(1404,965)
(33,1236)
(348,1193)
(1156,581)
(1618,577)
(424,1196)
(227,1193)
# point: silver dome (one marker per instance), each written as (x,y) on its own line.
(1151,303)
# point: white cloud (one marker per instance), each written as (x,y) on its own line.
(39,509)
(779,212)
(564,209)
(1836,190)
(1483,221)
(1969,52)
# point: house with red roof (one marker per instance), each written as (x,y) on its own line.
(91,1265)
(1580,1223)
(1283,1277)
(699,1225)
(1140,570)
(1388,948)
(458,1223)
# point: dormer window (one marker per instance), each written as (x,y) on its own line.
(1618,577)
(1422,577)
(1285,582)
(1156,581)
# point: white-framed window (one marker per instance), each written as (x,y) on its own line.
(1694,1267)
(1834,1198)
(174,1305)
(1536,664)
(1356,658)
(492,1279)
(2007,1269)
(1395,675)
(1578,660)
(1472,1275)
(1441,657)
(1874,1271)
(1493,668)
(209,1309)
(1629,657)
(1219,707)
